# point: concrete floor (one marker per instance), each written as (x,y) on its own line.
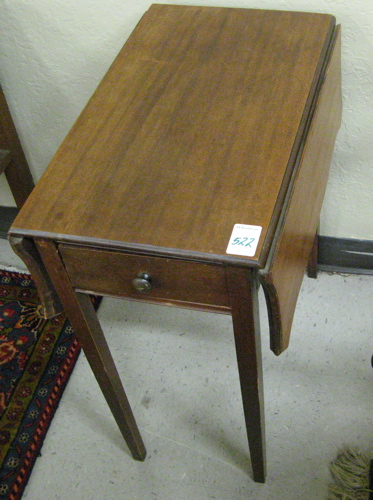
(179,371)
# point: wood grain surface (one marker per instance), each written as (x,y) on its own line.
(174,282)
(283,278)
(195,127)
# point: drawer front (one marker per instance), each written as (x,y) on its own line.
(171,280)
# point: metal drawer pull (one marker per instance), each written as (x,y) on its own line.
(142,283)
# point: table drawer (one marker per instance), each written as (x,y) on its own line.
(171,280)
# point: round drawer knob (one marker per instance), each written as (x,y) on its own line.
(142,283)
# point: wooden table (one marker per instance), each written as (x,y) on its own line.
(196,171)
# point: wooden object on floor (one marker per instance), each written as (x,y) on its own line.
(195,172)
(12,159)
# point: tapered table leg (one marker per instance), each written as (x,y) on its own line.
(243,290)
(83,319)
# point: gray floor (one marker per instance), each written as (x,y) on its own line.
(179,370)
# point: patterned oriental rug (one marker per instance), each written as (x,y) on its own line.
(37,357)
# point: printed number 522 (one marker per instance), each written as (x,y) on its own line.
(244,242)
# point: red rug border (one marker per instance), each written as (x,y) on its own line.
(45,419)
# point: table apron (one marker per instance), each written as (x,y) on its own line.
(173,282)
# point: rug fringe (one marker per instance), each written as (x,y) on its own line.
(350,471)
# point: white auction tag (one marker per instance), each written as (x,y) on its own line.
(244,240)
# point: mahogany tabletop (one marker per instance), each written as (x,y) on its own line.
(195,128)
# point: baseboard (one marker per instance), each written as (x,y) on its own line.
(338,255)
(344,255)
(7,215)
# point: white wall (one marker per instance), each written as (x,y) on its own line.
(53,53)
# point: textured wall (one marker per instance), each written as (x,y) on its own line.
(53,53)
